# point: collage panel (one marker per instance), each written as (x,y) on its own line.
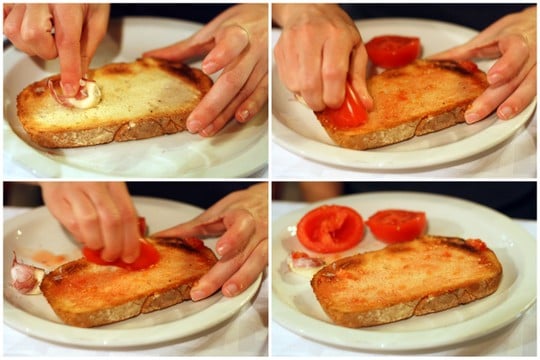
(198,285)
(403,268)
(363,90)
(136,90)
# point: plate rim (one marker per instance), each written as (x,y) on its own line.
(455,152)
(53,332)
(339,336)
(251,161)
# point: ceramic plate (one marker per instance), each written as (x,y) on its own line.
(296,128)
(295,307)
(237,151)
(38,230)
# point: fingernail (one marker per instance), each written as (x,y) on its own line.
(197,295)
(209,130)
(222,249)
(193,125)
(243,116)
(494,79)
(506,113)
(209,67)
(230,290)
(68,90)
(472,117)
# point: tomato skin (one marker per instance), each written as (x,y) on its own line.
(352,113)
(392,51)
(393,226)
(330,228)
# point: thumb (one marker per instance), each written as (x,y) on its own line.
(198,227)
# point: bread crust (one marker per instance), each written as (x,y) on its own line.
(173,90)
(84,294)
(418,99)
(427,275)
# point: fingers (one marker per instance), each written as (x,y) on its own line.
(358,74)
(254,102)
(230,43)
(182,50)
(29,29)
(520,98)
(243,251)
(99,215)
(509,99)
(68,42)
(515,53)
(93,33)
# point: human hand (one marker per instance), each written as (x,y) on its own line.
(100,215)
(71,32)
(235,42)
(512,79)
(318,50)
(241,219)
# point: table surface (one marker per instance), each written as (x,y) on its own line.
(245,334)
(518,338)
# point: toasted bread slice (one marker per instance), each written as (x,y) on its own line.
(419,277)
(84,294)
(417,99)
(142,99)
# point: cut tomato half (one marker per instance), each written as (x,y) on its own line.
(392,51)
(148,254)
(330,228)
(351,114)
(393,226)
(148,257)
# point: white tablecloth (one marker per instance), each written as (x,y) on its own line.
(519,338)
(245,334)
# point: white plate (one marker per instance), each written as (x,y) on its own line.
(237,151)
(38,230)
(295,307)
(296,128)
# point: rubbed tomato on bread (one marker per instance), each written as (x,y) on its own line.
(330,228)
(393,226)
(352,113)
(392,51)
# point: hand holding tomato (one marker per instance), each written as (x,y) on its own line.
(100,215)
(241,221)
(319,49)
(512,41)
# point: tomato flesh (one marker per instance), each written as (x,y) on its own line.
(392,51)
(351,114)
(393,226)
(330,228)
(148,254)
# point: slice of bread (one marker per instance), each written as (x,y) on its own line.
(142,99)
(417,99)
(84,294)
(426,275)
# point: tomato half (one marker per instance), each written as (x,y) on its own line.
(352,112)
(391,51)
(330,228)
(393,226)
(148,254)
(148,257)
